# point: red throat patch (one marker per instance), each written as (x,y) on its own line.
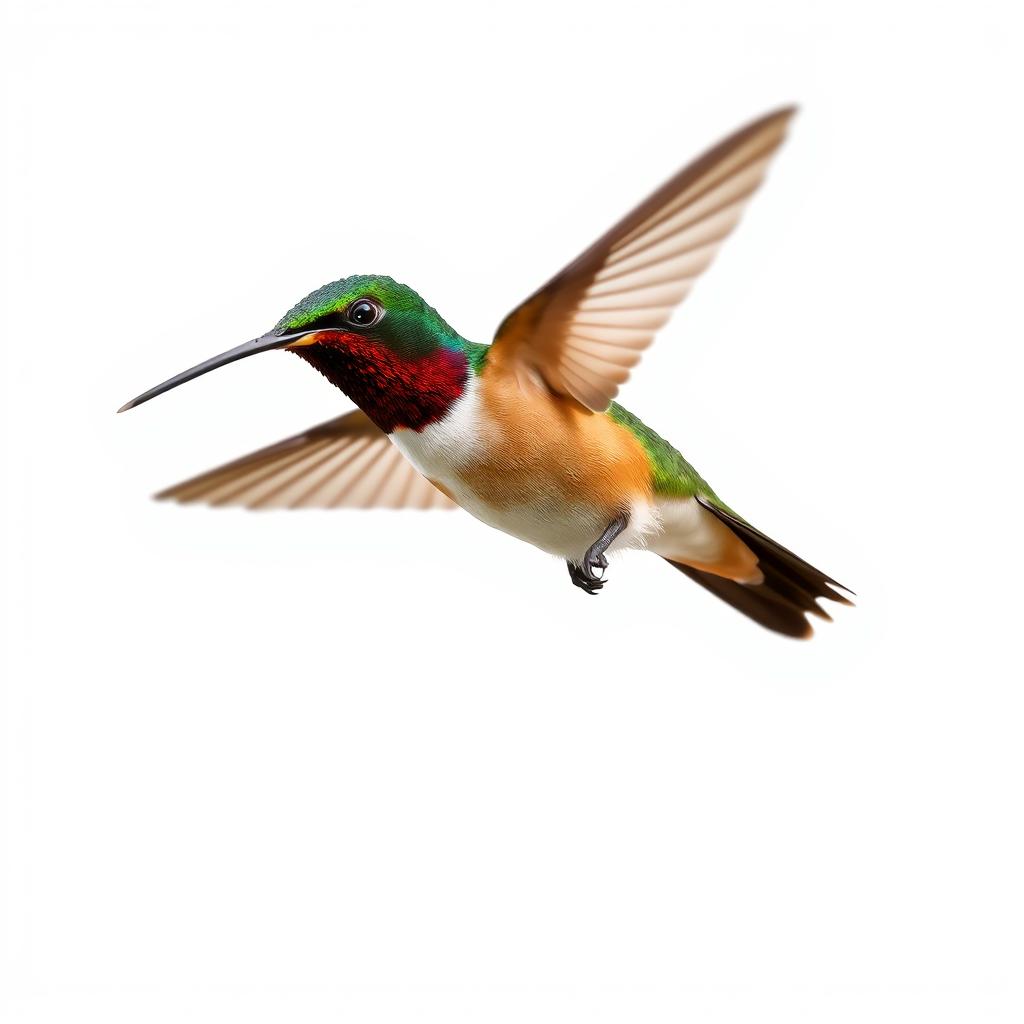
(395,391)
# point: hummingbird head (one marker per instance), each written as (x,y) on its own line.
(374,338)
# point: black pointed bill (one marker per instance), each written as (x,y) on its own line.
(264,344)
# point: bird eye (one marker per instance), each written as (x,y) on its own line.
(364,313)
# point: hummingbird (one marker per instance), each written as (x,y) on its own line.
(524,433)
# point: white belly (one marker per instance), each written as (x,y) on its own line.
(566,531)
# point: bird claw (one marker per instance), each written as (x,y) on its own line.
(585,575)
(584,578)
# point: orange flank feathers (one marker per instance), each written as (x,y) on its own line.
(551,450)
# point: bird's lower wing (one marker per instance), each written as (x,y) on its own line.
(345,463)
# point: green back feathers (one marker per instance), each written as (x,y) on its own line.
(673,475)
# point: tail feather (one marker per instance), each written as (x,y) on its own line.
(789,591)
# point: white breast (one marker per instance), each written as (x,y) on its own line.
(441,449)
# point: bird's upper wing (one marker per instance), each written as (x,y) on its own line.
(584,330)
(344,463)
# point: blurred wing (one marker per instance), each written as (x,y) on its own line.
(585,329)
(345,463)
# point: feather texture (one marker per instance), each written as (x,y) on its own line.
(347,462)
(586,328)
(790,588)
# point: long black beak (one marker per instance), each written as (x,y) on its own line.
(250,348)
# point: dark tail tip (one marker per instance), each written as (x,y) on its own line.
(789,592)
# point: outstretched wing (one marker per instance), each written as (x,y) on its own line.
(344,463)
(585,329)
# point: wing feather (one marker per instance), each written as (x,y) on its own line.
(616,294)
(345,463)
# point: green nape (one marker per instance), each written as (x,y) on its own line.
(410,326)
(673,476)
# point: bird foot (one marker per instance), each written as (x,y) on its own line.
(586,576)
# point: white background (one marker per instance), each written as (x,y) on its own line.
(392,767)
